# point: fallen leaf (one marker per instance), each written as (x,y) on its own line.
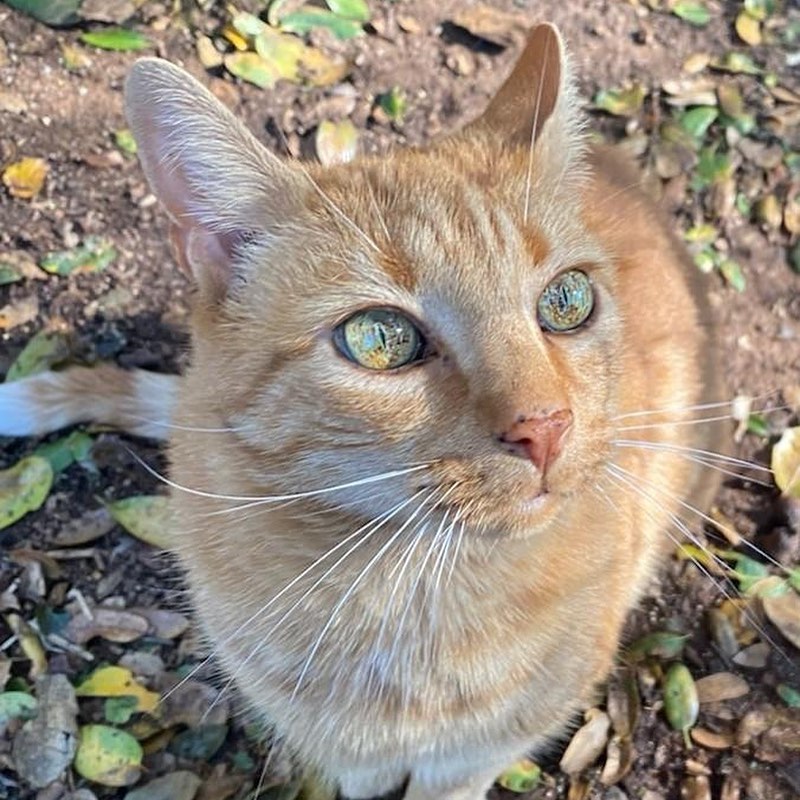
(112,681)
(483,21)
(74,58)
(251,67)
(164,624)
(51,12)
(720,686)
(16,705)
(712,739)
(111,624)
(732,272)
(789,695)
(350,9)
(124,140)
(23,488)
(785,462)
(587,744)
(659,644)
(43,350)
(783,612)
(194,703)
(694,13)
(759,9)
(208,54)
(144,516)
(122,39)
(180,785)
(621,102)
(697,121)
(45,745)
(696,62)
(108,756)
(681,703)
(393,103)
(748,29)
(336,142)
(94,255)
(524,776)
(19,312)
(89,526)
(25,178)
(65,451)
(737,63)
(200,743)
(307,18)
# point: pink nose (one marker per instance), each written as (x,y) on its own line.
(539,437)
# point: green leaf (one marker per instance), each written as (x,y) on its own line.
(8,274)
(116,39)
(119,710)
(732,272)
(43,350)
(698,120)
(199,743)
(144,516)
(747,571)
(108,756)
(248,24)
(737,63)
(23,488)
(252,68)
(66,451)
(124,140)
(659,644)
(350,9)
(759,9)
(757,425)
(307,18)
(51,12)
(394,103)
(711,166)
(789,695)
(702,234)
(16,705)
(94,255)
(524,776)
(692,12)
(681,704)
(621,102)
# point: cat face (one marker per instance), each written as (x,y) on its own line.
(451,258)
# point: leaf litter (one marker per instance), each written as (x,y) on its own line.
(730,98)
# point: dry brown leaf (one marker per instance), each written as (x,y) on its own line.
(486,22)
(25,178)
(756,656)
(587,744)
(712,739)
(18,313)
(45,746)
(209,56)
(107,623)
(89,526)
(720,686)
(783,611)
(619,760)
(164,624)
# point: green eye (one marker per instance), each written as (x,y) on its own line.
(379,338)
(567,302)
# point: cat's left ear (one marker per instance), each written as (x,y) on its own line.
(220,186)
(538,106)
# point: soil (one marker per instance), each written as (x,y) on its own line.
(135,312)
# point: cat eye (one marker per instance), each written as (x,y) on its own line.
(566,303)
(379,339)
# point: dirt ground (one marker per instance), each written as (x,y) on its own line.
(134,312)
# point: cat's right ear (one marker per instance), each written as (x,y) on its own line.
(537,106)
(218,183)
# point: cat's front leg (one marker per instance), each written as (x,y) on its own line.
(473,787)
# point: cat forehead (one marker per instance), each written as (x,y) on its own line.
(443,221)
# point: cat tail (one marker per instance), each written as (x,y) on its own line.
(136,401)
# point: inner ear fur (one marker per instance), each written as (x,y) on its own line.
(219,185)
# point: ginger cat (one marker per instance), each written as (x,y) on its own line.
(408,493)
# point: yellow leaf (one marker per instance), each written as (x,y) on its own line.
(336,142)
(108,756)
(25,178)
(144,516)
(235,38)
(30,644)
(786,462)
(749,29)
(118,682)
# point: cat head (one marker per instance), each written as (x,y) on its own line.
(434,327)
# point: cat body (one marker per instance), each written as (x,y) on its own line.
(416,573)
